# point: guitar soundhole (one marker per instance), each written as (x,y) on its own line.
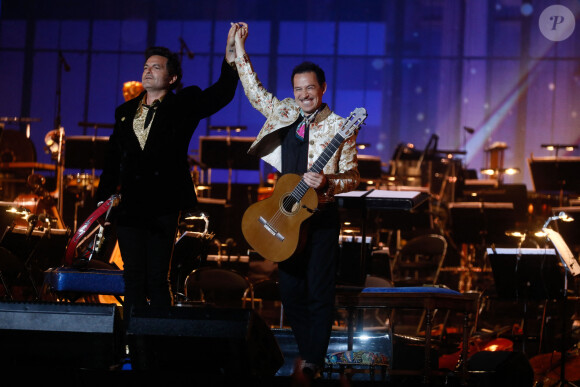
(288,204)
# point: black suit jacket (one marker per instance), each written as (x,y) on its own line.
(157,180)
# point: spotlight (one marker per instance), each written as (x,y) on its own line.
(557,147)
(512,171)
(568,147)
(561,216)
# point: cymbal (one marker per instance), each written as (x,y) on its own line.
(96,125)
(19,119)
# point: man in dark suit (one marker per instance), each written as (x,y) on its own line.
(146,163)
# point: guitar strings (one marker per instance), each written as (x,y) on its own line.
(290,201)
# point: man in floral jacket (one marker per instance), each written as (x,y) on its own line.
(295,134)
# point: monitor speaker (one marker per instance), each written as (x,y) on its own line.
(217,341)
(60,335)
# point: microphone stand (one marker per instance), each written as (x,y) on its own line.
(183,47)
(57,125)
(563,251)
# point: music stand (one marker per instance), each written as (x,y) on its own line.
(369,167)
(526,273)
(396,204)
(555,175)
(570,231)
(516,194)
(570,266)
(481,222)
(85,152)
(225,152)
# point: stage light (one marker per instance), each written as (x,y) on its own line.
(568,147)
(566,255)
(499,171)
(561,216)
(557,147)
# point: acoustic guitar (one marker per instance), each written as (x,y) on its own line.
(272,227)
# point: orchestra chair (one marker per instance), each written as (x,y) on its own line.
(363,361)
(419,263)
(219,287)
(267,302)
(380,319)
(427,298)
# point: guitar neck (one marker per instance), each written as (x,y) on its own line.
(318,165)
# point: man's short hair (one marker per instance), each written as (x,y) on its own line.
(173,63)
(307,67)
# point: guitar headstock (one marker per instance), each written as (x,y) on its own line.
(353,122)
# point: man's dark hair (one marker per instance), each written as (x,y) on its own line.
(173,63)
(307,67)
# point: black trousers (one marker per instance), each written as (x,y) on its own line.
(146,250)
(307,286)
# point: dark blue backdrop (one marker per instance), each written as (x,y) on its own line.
(419,67)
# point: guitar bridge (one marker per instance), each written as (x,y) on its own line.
(271,229)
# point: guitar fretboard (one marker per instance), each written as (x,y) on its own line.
(318,166)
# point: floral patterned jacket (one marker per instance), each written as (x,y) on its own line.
(341,170)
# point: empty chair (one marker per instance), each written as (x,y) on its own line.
(419,261)
(219,287)
(378,318)
(268,303)
(375,281)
